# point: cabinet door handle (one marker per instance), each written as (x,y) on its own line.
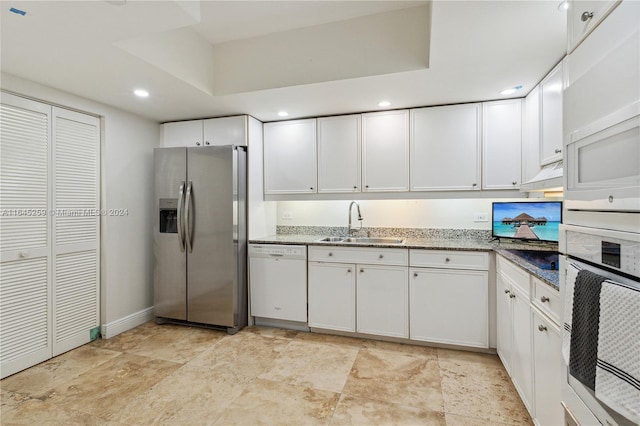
(514,182)
(542,327)
(311,188)
(558,151)
(586,16)
(474,184)
(512,296)
(197,143)
(361,270)
(349,270)
(207,143)
(544,299)
(507,291)
(415,274)
(446,259)
(380,257)
(330,254)
(355,187)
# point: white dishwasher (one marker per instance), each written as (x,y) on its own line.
(278,283)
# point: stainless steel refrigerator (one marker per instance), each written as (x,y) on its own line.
(200,236)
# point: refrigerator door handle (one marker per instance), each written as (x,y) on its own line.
(188,221)
(180,217)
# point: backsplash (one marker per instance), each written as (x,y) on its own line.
(433,233)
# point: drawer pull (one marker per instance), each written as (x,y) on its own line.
(330,254)
(544,299)
(380,257)
(586,16)
(542,327)
(446,259)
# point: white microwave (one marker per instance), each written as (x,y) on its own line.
(603,164)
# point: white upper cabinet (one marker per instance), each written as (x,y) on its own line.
(445,148)
(290,157)
(551,117)
(385,149)
(583,16)
(225,131)
(531,135)
(213,131)
(182,133)
(339,153)
(502,141)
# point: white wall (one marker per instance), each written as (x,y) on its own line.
(441,214)
(127,183)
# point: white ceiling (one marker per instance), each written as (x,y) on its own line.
(214,58)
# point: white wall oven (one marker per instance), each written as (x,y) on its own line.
(601,336)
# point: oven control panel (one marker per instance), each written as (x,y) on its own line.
(618,254)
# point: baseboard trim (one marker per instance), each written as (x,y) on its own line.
(127,323)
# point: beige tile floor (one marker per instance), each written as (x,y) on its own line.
(177,375)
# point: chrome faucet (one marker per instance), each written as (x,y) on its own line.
(350,231)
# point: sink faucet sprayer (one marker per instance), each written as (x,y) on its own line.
(350,231)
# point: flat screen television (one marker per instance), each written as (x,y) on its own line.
(530,221)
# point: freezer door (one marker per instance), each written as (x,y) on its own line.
(170,261)
(211,260)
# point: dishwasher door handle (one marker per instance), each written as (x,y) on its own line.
(276,254)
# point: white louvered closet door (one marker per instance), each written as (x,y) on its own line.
(25,249)
(76,228)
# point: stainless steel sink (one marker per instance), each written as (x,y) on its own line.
(367,240)
(332,239)
(361,240)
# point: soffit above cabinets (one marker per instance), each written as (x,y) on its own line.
(216,58)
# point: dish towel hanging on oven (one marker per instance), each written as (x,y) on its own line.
(585,316)
(617,381)
(572,274)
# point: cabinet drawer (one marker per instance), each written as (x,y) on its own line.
(373,256)
(547,299)
(513,274)
(449,259)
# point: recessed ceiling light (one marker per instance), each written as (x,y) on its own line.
(384,103)
(511,90)
(141,93)
(283,113)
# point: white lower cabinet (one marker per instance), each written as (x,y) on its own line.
(522,352)
(449,304)
(441,298)
(332,296)
(383,300)
(362,290)
(547,345)
(529,340)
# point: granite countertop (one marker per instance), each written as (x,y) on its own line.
(466,244)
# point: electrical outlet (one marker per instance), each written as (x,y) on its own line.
(287,215)
(480,217)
